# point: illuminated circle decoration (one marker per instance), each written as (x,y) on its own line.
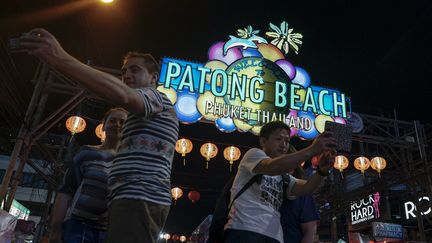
(100,133)
(215,65)
(362,163)
(183,146)
(170,93)
(270,73)
(216,53)
(339,120)
(270,52)
(378,164)
(75,124)
(231,153)
(287,67)
(341,163)
(309,123)
(251,52)
(202,102)
(194,196)
(186,108)
(302,77)
(166,236)
(183,238)
(320,121)
(225,124)
(208,151)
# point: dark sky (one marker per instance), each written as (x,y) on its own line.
(377,52)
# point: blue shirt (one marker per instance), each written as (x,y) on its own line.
(293,214)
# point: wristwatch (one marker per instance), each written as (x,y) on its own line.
(321,173)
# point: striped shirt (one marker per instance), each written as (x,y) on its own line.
(142,168)
(86,182)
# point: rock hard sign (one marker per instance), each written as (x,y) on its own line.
(248,82)
(365,209)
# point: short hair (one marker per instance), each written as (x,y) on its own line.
(150,62)
(272,126)
(108,113)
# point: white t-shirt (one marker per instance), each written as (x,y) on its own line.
(257,209)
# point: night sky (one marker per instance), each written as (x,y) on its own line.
(377,52)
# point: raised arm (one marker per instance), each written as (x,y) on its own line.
(44,45)
(287,162)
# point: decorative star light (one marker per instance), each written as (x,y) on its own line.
(247,32)
(284,38)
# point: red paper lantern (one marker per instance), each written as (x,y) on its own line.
(194,196)
(175,238)
(315,161)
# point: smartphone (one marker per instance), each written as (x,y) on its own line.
(14,43)
(343,135)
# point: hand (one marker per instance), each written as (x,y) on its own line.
(327,160)
(323,142)
(41,43)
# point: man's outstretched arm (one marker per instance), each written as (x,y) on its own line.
(44,45)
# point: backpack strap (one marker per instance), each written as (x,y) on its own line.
(244,188)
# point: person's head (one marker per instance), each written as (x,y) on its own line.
(113,123)
(274,138)
(140,70)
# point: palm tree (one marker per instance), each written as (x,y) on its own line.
(246,32)
(284,38)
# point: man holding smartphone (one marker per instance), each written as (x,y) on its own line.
(140,175)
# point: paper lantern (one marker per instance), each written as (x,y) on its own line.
(183,238)
(315,161)
(167,236)
(361,164)
(176,193)
(75,124)
(231,153)
(208,150)
(100,133)
(183,146)
(175,238)
(194,196)
(378,164)
(341,163)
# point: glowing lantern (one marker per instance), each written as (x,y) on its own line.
(378,164)
(341,163)
(75,124)
(361,164)
(166,237)
(182,238)
(183,147)
(208,150)
(175,238)
(194,196)
(100,133)
(176,193)
(231,154)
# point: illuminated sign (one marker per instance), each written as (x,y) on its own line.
(410,208)
(248,82)
(365,209)
(381,230)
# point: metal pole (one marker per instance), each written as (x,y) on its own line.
(16,179)
(40,230)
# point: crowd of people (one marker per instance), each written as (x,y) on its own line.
(130,170)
